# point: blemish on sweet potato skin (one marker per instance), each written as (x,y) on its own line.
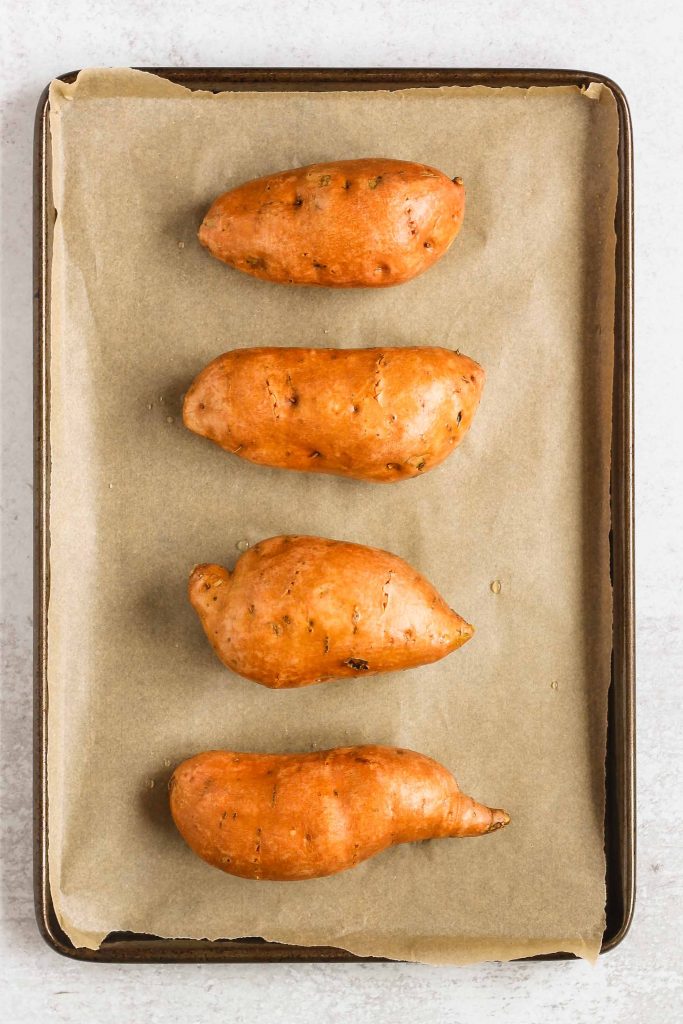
(357,664)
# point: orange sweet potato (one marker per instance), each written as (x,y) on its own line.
(353,223)
(288,817)
(302,610)
(380,414)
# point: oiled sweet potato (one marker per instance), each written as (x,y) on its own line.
(379,414)
(353,223)
(301,610)
(288,817)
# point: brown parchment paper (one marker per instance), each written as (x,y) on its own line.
(136,500)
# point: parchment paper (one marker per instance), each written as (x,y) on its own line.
(519,714)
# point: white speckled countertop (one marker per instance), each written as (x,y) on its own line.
(631,42)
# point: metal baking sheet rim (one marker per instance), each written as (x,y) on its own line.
(127,947)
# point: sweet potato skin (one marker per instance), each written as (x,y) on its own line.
(289,817)
(302,610)
(366,223)
(378,414)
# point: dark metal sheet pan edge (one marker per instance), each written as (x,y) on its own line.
(620,760)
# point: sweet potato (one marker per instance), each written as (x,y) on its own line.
(380,414)
(354,223)
(302,610)
(288,817)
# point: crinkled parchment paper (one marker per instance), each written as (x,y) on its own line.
(136,500)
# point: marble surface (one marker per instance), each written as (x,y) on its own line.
(632,43)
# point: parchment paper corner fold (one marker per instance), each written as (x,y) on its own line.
(519,714)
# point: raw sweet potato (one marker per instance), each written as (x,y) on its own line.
(354,223)
(379,414)
(287,817)
(301,610)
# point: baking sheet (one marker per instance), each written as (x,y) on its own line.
(519,714)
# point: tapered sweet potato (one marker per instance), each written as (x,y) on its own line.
(288,817)
(380,414)
(354,223)
(302,610)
